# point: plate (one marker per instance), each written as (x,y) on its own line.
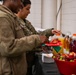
(53,44)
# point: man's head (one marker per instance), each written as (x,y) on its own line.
(13,5)
(23,13)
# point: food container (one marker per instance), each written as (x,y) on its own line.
(66,67)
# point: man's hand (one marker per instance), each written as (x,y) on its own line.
(43,39)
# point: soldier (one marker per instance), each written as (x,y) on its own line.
(30,30)
(13,42)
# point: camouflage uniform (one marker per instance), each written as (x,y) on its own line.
(14,44)
(30,30)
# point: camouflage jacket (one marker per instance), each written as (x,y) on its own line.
(14,44)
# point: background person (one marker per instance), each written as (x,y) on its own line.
(30,30)
(13,42)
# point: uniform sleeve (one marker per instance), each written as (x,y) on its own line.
(9,46)
(47,32)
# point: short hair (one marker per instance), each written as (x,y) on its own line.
(25,2)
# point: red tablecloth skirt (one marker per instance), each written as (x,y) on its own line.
(66,67)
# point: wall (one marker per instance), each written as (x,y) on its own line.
(35,15)
(68,16)
(43,13)
(1,2)
(49,12)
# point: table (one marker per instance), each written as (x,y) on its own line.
(45,68)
